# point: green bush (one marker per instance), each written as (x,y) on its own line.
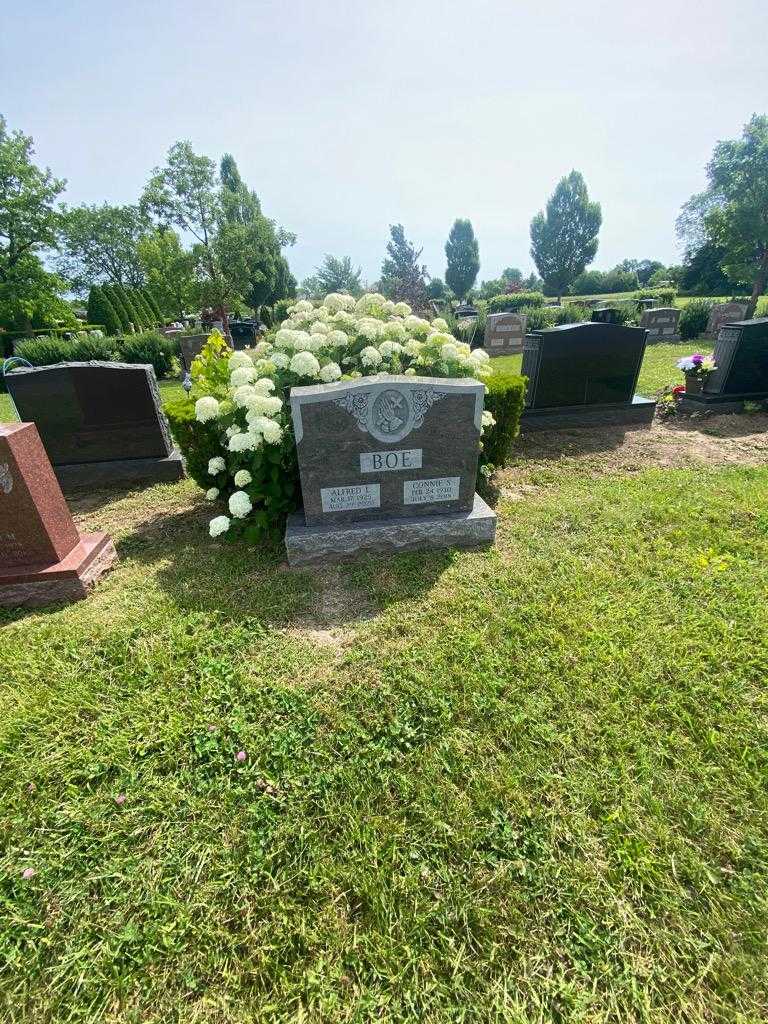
(196,440)
(46,351)
(504,397)
(150,299)
(541,317)
(693,319)
(150,347)
(665,296)
(147,316)
(515,301)
(117,304)
(101,311)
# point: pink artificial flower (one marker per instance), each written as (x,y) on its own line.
(120,799)
(240,755)
(28,873)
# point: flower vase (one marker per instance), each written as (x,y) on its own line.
(694,384)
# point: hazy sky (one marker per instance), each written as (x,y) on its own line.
(347,117)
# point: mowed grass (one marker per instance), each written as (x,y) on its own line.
(659,364)
(526,784)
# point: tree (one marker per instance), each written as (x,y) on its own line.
(564,239)
(170,271)
(732,212)
(29,225)
(100,245)
(113,297)
(101,311)
(126,297)
(703,272)
(437,290)
(336,274)
(463,258)
(402,277)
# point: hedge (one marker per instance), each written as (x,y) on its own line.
(515,301)
(504,398)
(694,317)
(148,347)
(197,442)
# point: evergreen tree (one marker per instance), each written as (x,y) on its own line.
(146,313)
(564,240)
(101,311)
(117,304)
(463,256)
(142,322)
(402,277)
(152,302)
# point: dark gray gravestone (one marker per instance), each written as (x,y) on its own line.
(724,313)
(504,334)
(387,463)
(99,422)
(741,358)
(607,315)
(661,323)
(584,374)
(191,345)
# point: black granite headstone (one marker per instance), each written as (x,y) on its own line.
(607,315)
(585,371)
(741,358)
(97,421)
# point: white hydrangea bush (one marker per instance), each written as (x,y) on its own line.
(241,398)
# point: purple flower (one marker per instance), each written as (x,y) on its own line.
(697,358)
(28,873)
(240,755)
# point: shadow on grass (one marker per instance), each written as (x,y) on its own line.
(240,581)
(554,444)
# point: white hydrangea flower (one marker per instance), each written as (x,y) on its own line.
(337,338)
(440,324)
(488,420)
(206,408)
(264,386)
(330,372)
(480,355)
(402,309)
(389,307)
(394,331)
(231,431)
(242,478)
(242,395)
(369,328)
(216,465)
(369,301)
(449,351)
(319,328)
(410,372)
(273,432)
(212,493)
(240,504)
(417,327)
(280,360)
(242,375)
(412,347)
(303,306)
(370,356)
(388,348)
(244,442)
(304,364)
(302,341)
(218,525)
(263,405)
(238,360)
(337,300)
(262,349)
(285,338)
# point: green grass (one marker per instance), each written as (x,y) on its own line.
(522,785)
(659,365)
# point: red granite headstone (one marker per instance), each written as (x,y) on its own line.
(43,558)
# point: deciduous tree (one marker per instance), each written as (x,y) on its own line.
(564,238)
(463,258)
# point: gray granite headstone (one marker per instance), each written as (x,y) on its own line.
(724,313)
(504,333)
(105,414)
(191,345)
(387,446)
(661,323)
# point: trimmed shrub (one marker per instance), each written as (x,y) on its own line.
(46,351)
(515,302)
(541,317)
(665,296)
(504,398)
(117,304)
(101,311)
(693,319)
(151,301)
(148,317)
(150,347)
(135,317)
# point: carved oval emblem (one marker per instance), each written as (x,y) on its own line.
(6,480)
(391,415)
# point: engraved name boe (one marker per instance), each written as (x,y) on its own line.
(377,462)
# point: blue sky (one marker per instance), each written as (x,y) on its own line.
(346,117)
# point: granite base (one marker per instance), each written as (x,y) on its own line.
(118,471)
(637,413)
(336,542)
(717,404)
(69,580)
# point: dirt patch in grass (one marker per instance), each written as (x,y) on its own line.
(669,444)
(336,610)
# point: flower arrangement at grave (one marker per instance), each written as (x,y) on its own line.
(696,368)
(241,444)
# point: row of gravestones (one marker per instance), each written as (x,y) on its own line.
(505,332)
(387,463)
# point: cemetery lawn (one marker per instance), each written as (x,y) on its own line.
(524,784)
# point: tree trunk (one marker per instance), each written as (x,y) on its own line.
(758,287)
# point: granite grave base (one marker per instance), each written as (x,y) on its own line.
(718,404)
(77,475)
(635,414)
(70,579)
(333,542)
